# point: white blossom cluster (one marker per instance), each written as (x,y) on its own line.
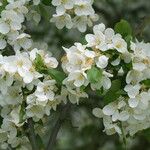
(24,91)
(80,58)
(74,14)
(132,111)
(11,24)
(28,91)
(18,79)
(129,111)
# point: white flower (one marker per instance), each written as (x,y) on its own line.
(97,40)
(80,22)
(4,27)
(2,43)
(97,112)
(119,44)
(79,78)
(44,91)
(62,5)
(83,7)
(62,21)
(5,82)
(22,41)
(109,109)
(49,61)
(132,90)
(102,62)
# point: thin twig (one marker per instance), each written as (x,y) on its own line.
(32,136)
(57,127)
(124,137)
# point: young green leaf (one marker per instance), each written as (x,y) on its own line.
(124,28)
(39,63)
(59,76)
(94,75)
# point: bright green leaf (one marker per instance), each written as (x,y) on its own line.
(94,75)
(124,28)
(59,76)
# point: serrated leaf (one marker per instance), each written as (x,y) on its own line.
(124,28)
(94,75)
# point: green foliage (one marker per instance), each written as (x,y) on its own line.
(46,2)
(124,28)
(114,92)
(59,76)
(146,83)
(4,2)
(39,63)
(94,75)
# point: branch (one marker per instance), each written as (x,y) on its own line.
(57,127)
(32,136)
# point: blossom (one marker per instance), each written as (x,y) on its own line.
(62,5)
(83,7)
(74,14)
(44,90)
(102,62)
(62,21)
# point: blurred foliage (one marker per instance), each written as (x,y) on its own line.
(82,131)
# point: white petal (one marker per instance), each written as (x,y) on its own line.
(109,109)
(4,28)
(2,43)
(133,102)
(97,112)
(123,116)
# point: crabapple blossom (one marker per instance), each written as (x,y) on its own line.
(74,14)
(33,83)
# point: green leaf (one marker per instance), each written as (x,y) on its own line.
(146,83)
(46,2)
(94,75)
(124,28)
(4,3)
(114,92)
(59,76)
(39,63)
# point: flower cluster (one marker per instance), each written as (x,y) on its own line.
(24,90)
(30,85)
(74,14)
(130,110)
(80,59)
